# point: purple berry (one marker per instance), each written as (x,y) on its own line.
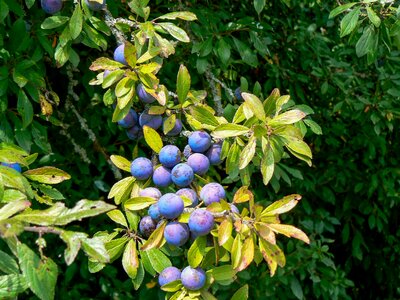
(193,278)
(199,141)
(150,192)
(141,168)
(238,94)
(146,226)
(234,209)
(182,175)
(143,95)
(129,120)
(169,156)
(119,55)
(15,166)
(214,154)
(170,206)
(154,212)
(51,6)
(199,163)
(153,121)
(212,192)
(189,193)
(176,130)
(162,177)
(95,6)
(187,151)
(201,222)
(168,275)
(176,234)
(134,132)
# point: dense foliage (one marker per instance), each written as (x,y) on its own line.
(338,63)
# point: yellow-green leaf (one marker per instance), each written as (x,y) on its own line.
(247,254)
(118,217)
(281,206)
(289,231)
(267,165)
(139,203)
(152,138)
(247,153)
(224,231)
(197,251)
(155,238)
(286,118)
(183,84)
(121,162)
(130,260)
(236,252)
(241,294)
(243,195)
(48,175)
(255,105)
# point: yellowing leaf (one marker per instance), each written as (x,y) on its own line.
(121,162)
(243,195)
(229,130)
(281,206)
(152,138)
(273,255)
(224,231)
(265,233)
(130,260)
(48,175)
(236,252)
(289,231)
(155,238)
(247,254)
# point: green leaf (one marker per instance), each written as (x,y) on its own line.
(373,17)
(267,166)
(172,286)
(116,247)
(118,217)
(54,22)
(169,123)
(301,150)
(176,32)
(139,203)
(259,5)
(12,285)
(290,231)
(203,115)
(130,259)
(349,22)
(58,214)
(7,264)
(366,42)
(223,273)
(224,51)
(286,118)
(338,10)
(95,249)
(183,84)
(74,241)
(123,87)
(49,175)
(121,189)
(281,206)
(152,138)
(184,15)
(247,153)
(25,108)
(12,208)
(121,162)
(241,294)
(40,274)
(137,281)
(197,251)
(296,288)
(75,23)
(313,126)
(158,259)
(229,130)
(255,105)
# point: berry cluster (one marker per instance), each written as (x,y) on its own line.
(132,122)
(200,153)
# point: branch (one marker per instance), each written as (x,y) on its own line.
(43,229)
